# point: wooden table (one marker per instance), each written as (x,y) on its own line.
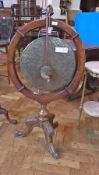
(91,50)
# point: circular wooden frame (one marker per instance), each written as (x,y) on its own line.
(44,99)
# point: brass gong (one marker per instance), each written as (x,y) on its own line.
(51,67)
(60,54)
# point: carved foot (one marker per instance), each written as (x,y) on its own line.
(49,132)
(5,112)
(29,125)
(24,132)
(52,151)
(13,121)
(20,133)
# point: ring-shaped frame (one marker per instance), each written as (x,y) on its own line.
(44,99)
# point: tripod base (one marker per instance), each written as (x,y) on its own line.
(5,112)
(45,121)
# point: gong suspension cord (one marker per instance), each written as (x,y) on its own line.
(46,39)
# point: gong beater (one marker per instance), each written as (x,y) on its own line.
(58,78)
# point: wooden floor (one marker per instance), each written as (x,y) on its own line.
(78,148)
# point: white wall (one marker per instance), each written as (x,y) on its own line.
(75,3)
(7,3)
(39,2)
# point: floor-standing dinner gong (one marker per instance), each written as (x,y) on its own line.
(50,66)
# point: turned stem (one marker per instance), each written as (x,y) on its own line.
(43,113)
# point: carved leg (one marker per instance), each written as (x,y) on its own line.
(44,121)
(49,132)
(51,118)
(5,112)
(23,133)
(29,125)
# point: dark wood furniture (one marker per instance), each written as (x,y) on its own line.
(1,4)
(70,14)
(23,12)
(87,6)
(6,25)
(26,8)
(91,50)
(4,61)
(44,119)
(5,113)
(6,11)
(6,29)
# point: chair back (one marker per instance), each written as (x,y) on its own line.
(71,16)
(5,11)
(6,28)
(87,25)
(1,4)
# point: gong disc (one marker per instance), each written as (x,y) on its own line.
(60,62)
